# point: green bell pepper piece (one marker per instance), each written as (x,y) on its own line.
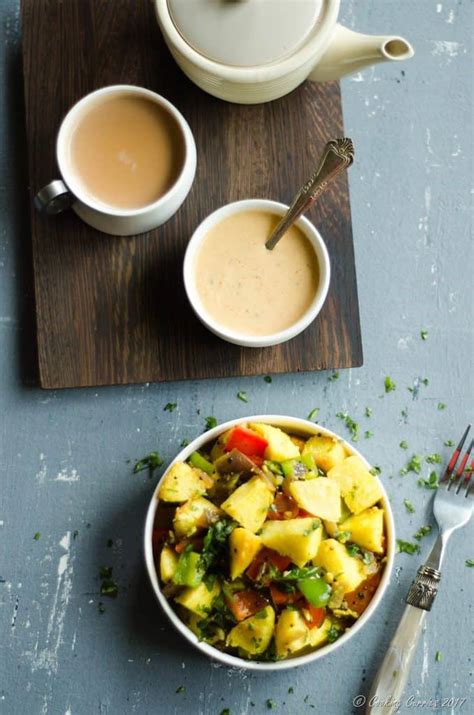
(189,571)
(198,461)
(315,590)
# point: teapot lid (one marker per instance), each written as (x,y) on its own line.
(246,33)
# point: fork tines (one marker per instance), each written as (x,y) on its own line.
(455,475)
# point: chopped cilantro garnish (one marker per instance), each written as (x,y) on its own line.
(242,396)
(334,633)
(184,442)
(431,483)
(434,458)
(368,412)
(351,425)
(409,506)
(424,334)
(210,422)
(404,444)
(438,656)
(414,465)
(226,711)
(170,407)
(441,406)
(291,690)
(449,443)
(425,381)
(368,434)
(181,689)
(37,536)
(389,384)
(271,704)
(268,378)
(353,549)
(150,462)
(469,563)
(314,413)
(334,376)
(108,587)
(375,470)
(343,536)
(422,531)
(406,547)
(404,413)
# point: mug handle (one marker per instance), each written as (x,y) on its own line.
(53,198)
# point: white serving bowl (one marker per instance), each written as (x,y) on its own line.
(297,426)
(231,336)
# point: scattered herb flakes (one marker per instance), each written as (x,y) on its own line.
(271,704)
(431,483)
(441,406)
(375,470)
(291,690)
(353,549)
(268,378)
(182,689)
(403,444)
(314,413)
(151,462)
(424,334)
(368,412)
(242,396)
(438,656)
(404,413)
(449,443)
(226,711)
(422,531)
(425,381)
(351,425)
(405,547)
(108,587)
(433,458)
(334,376)
(414,465)
(409,506)
(37,536)
(469,563)
(170,407)
(389,384)
(101,607)
(75,533)
(368,434)
(184,443)
(110,543)
(210,422)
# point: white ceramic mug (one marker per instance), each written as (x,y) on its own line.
(67,191)
(231,336)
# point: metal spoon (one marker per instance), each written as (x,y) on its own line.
(338,155)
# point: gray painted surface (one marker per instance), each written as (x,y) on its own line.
(64,455)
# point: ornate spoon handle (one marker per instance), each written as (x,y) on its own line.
(338,155)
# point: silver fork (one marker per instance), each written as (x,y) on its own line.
(452,508)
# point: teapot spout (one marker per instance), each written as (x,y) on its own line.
(349,52)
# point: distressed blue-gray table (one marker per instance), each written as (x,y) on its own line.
(66,457)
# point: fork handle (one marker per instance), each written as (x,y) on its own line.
(389,684)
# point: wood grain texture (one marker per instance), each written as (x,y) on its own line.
(113,310)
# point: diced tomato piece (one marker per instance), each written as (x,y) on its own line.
(263,557)
(302,514)
(244,604)
(359,599)
(257,460)
(196,543)
(283,507)
(313,615)
(281,598)
(247,442)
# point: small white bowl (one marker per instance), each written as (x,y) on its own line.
(296,426)
(231,336)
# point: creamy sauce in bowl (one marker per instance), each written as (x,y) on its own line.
(245,287)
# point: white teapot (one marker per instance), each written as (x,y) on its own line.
(252,51)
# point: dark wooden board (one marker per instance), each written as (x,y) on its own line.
(113,310)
